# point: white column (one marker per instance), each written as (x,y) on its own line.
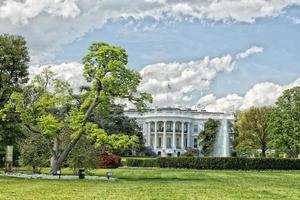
(165,136)
(182,135)
(155,135)
(149,134)
(174,135)
(189,135)
(145,130)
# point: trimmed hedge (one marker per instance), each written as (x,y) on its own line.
(136,162)
(218,163)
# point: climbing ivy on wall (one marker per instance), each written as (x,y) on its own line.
(207,136)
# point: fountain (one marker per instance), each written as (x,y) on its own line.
(222,146)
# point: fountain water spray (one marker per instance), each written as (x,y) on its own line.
(222,144)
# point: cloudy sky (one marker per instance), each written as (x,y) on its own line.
(222,55)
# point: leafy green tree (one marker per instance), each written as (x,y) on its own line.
(234,132)
(284,123)
(84,155)
(34,151)
(115,122)
(47,105)
(44,106)
(252,127)
(208,135)
(14,60)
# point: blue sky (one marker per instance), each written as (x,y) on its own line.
(185,41)
(176,35)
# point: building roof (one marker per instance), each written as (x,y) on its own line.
(175,109)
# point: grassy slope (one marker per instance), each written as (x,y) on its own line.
(161,184)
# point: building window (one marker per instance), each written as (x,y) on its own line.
(152,127)
(195,143)
(169,126)
(159,142)
(168,142)
(196,128)
(160,127)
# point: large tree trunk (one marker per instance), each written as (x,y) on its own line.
(56,164)
(263,153)
(54,150)
(263,148)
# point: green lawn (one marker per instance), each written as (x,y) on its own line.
(161,184)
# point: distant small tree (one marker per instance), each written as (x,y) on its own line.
(84,155)
(284,123)
(252,128)
(208,135)
(34,152)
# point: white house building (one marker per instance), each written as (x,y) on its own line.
(170,131)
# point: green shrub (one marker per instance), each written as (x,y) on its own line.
(191,152)
(135,162)
(217,163)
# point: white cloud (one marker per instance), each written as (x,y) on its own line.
(49,24)
(295,20)
(173,84)
(71,72)
(210,102)
(170,83)
(261,94)
(250,51)
(18,11)
(245,10)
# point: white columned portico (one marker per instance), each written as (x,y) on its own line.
(174,136)
(182,135)
(189,135)
(155,135)
(149,134)
(165,136)
(158,135)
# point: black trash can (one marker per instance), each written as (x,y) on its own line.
(81,173)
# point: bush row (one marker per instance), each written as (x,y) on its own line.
(218,163)
(136,162)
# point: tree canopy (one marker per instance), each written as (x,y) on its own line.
(208,135)
(47,105)
(252,130)
(14,61)
(284,123)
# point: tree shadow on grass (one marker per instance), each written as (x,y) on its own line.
(169,179)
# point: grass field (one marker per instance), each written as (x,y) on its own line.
(160,184)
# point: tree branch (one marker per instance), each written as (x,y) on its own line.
(30,128)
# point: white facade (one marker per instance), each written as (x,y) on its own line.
(170,131)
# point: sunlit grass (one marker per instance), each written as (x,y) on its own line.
(155,183)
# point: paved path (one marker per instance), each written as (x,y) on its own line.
(46,176)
